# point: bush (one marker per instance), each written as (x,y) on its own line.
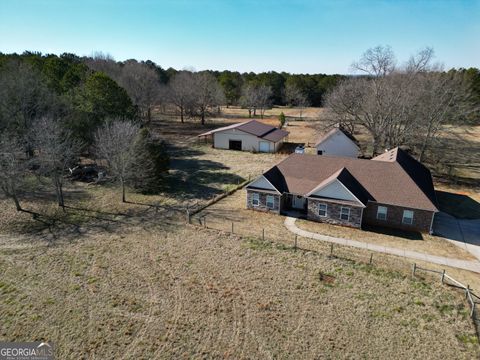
(152,162)
(281,118)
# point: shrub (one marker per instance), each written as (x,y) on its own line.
(281,118)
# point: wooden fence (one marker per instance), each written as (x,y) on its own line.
(341,251)
(470,296)
(191,211)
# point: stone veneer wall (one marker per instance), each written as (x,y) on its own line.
(263,201)
(333,213)
(422,219)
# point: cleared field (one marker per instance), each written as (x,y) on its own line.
(183,292)
(308,113)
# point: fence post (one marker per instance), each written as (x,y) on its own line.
(295,246)
(204,221)
(263,234)
(189,221)
(467,290)
(414,267)
(371,258)
(331,250)
(443,276)
(232,228)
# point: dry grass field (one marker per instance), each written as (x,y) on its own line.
(162,291)
(107,280)
(250,223)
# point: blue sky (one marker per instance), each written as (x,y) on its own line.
(299,36)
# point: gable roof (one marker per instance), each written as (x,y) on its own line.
(349,182)
(256,128)
(263,184)
(375,180)
(334,131)
(415,169)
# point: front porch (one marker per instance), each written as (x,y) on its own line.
(294,205)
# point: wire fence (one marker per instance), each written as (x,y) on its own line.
(337,251)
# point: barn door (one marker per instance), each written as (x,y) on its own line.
(235,144)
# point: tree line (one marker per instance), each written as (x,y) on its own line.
(55,108)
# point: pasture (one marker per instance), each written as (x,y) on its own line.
(106,279)
(154,290)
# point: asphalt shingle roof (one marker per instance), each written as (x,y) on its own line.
(395,179)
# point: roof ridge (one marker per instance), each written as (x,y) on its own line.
(326,135)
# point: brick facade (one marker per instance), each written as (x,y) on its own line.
(333,213)
(263,201)
(422,219)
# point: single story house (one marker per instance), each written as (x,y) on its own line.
(248,136)
(391,190)
(337,142)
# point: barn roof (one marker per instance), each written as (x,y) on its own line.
(256,128)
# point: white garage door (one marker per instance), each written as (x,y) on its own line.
(264,146)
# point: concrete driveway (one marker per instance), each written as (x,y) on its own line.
(463,233)
(471,265)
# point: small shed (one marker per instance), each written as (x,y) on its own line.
(338,143)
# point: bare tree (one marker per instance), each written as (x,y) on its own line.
(377,62)
(264,98)
(139,80)
(114,143)
(12,167)
(256,97)
(142,85)
(208,94)
(105,63)
(352,102)
(249,99)
(295,97)
(57,150)
(180,92)
(421,62)
(441,97)
(406,105)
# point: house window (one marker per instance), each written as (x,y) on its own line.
(256,199)
(345,213)
(382,213)
(407,217)
(270,202)
(322,210)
